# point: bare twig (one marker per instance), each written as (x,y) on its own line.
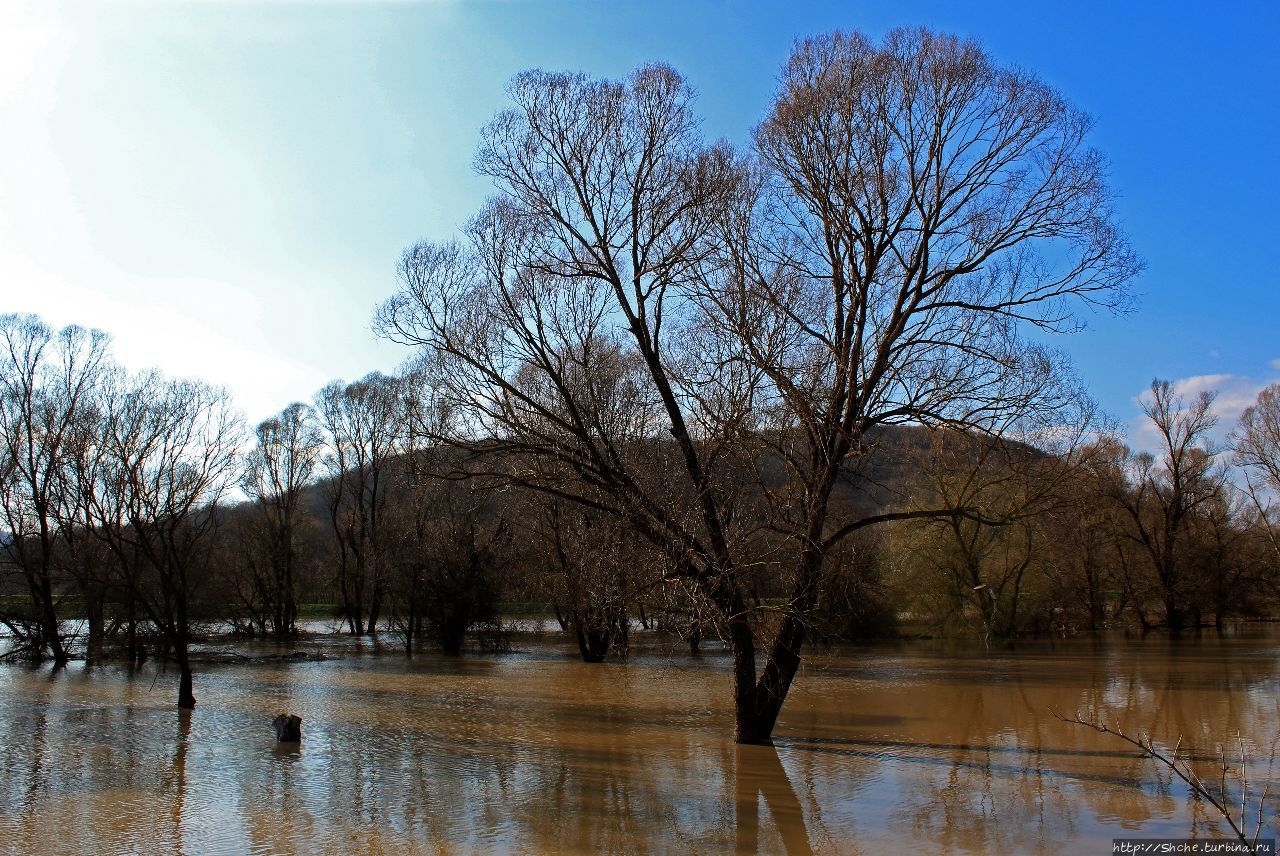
(1181,767)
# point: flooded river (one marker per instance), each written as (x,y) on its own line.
(907,747)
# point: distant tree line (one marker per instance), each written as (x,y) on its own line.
(768,397)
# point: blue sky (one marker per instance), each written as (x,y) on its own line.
(226,186)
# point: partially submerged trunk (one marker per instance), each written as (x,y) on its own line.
(375,609)
(179,639)
(451,640)
(560,619)
(598,635)
(756,699)
(135,648)
(593,643)
(759,700)
(1174,616)
(186,695)
(50,639)
(96,626)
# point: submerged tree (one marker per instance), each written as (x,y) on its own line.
(364,424)
(1168,492)
(48,379)
(448,551)
(166,455)
(1085,534)
(464,549)
(1257,449)
(276,471)
(992,561)
(639,313)
(593,572)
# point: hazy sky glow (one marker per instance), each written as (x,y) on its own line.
(225,187)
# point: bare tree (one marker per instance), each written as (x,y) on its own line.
(47,379)
(467,552)
(914,206)
(1256,441)
(1009,478)
(595,571)
(411,524)
(1233,568)
(984,562)
(411,519)
(644,311)
(364,424)
(168,454)
(282,463)
(1084,532)
(1167,492)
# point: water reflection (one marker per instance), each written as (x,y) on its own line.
(880,747)
(758,773)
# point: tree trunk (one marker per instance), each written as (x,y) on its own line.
(1096,615)
(451,641)
(757,707)
(1173,615)
(43,592)
(94,616)
(136,651)
(186,697)
(290,603)
(753,722)
(758,703)
(375,607)
(178,638)
(593,643)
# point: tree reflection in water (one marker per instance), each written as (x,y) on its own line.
(758,772)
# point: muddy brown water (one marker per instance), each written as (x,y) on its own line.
(908,747)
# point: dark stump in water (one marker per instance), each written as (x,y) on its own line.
(288,728)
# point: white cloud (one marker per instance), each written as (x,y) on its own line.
(1232,394)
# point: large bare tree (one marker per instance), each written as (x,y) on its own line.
(167,453)
(637,320)
(47,380)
